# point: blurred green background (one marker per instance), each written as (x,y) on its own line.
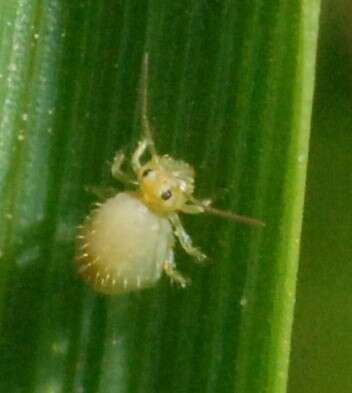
(228,79)
(322,343)
(321,359)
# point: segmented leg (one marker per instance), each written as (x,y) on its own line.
(192,209)
(102,193)
(184,239)
(196,206)
(116,169)
(171,271)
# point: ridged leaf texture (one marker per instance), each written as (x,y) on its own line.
(230,91)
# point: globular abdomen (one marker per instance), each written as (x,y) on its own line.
(122,245)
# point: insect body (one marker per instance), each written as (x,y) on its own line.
(127,242)
(124,245)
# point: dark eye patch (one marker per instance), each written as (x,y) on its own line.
(166,195)
(146,172)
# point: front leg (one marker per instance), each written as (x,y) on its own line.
(184,239)
(117,172)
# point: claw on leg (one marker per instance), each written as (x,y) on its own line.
(171,271)
(175,276)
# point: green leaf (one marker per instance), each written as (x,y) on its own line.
(231,87)
(323,320)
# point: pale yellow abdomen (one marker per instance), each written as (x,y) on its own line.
(122,245)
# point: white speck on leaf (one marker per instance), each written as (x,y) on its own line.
(243,301)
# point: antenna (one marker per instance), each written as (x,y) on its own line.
(205,207)
(148,133)
(233,216)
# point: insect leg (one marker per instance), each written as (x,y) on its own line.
(116,169)
(196,206)
(171,271)
(102,193)
(184,239)
(192,209)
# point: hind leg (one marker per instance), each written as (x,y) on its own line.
(170,270)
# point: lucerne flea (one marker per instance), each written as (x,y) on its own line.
(127,242)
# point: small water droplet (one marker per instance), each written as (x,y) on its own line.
(301,158)
(20,137)
(12,67)
(243,301)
